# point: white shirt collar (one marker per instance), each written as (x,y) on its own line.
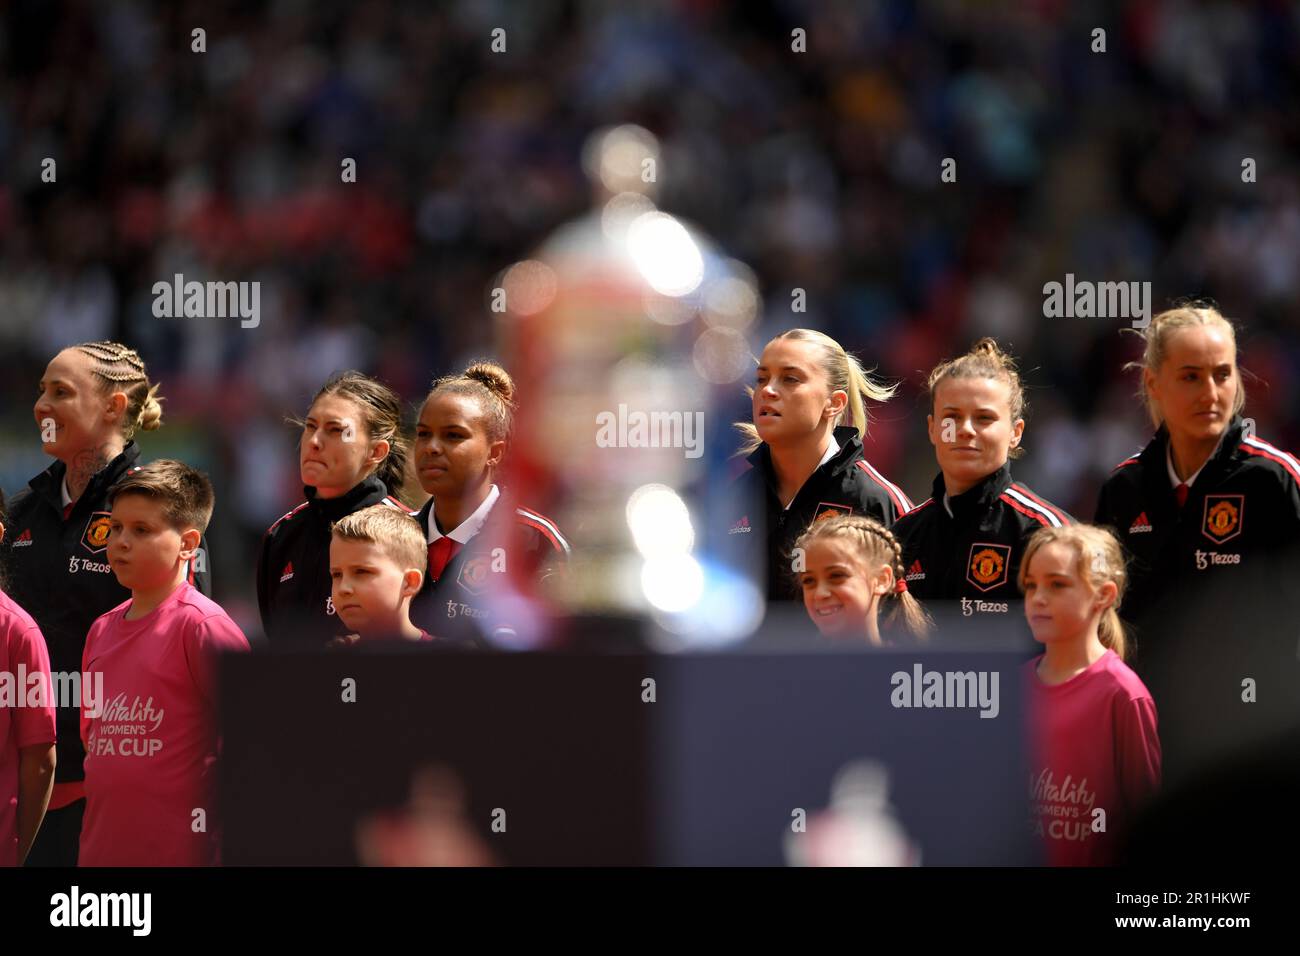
(63,490)
(470,526)
(832,450)
(1173,475)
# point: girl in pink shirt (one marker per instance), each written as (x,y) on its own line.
(1095,755)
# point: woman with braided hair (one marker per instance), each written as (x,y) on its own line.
(852,569)
(91,401)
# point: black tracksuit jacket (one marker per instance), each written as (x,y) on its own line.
(294,589)
(457,608)
(755,518)
(973,555)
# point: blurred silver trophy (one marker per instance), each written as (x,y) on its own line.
(624,332)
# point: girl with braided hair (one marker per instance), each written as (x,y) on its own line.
(91,401)
(852,569)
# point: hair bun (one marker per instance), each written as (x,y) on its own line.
(150,417)
(988,346)
(494,377)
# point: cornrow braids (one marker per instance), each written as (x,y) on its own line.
(119,368)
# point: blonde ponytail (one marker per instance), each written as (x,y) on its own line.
(843,372)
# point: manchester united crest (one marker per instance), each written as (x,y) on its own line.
(827,510)
(95,537)
(474,574)
(987,567)
(1223,516)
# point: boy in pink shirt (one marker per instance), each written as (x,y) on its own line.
(26,729)
(151,753)
(1095,755)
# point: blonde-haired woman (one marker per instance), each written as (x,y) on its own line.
(1207,497)
(91,401)
(805,449)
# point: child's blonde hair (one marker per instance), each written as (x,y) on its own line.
(398,534)
(875,545)
(1157,335)
(1099,559)
(843,373)
(984,360)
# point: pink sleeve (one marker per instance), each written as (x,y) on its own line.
(1137,750)
(212,636)
(32,725)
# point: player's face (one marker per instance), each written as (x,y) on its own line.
(70,409)
(838,592)
(791,395)
(1197,383)
(144,549)
(971,429)
(336,453)
(453,455)
(367,586)
(1059,604)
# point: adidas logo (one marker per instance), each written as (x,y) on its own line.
(24,539)
(914,573)
(741,526)
(1140,524)
(287,573)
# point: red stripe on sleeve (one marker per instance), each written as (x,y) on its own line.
(1023,510)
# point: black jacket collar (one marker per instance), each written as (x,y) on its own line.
(1155,466)
(370,491)
(846,436)
(48,485)
(976,499)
